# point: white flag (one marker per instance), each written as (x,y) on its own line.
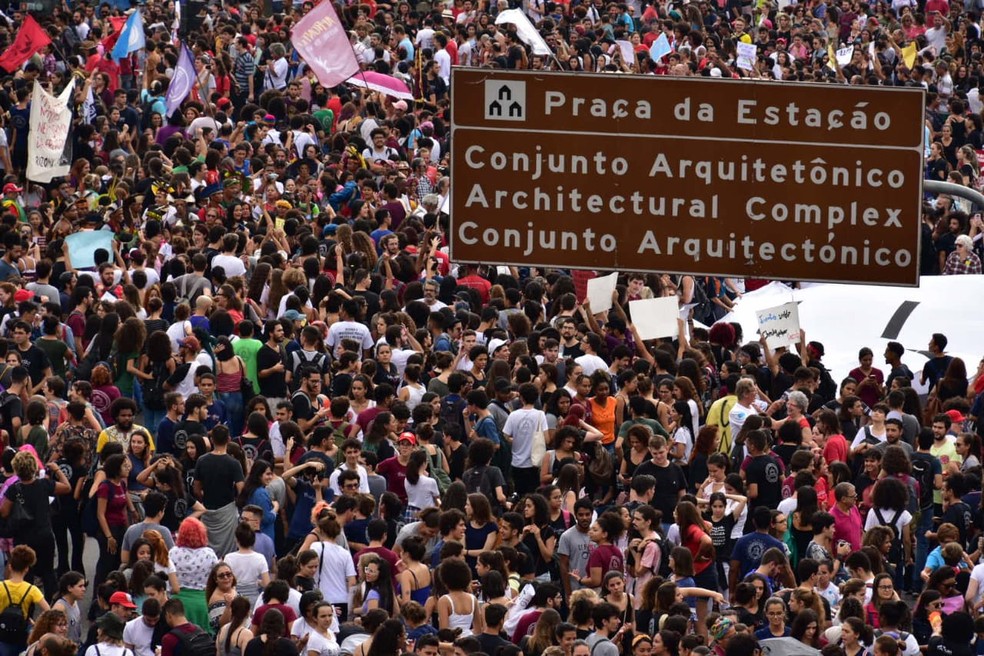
(525,30)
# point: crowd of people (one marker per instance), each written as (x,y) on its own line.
(290,425)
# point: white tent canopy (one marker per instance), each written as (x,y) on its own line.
(845,318)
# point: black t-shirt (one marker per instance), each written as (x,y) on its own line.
(456,463)
(939,646)
(11,406)
(274,385)
(35,496)
(669,481)
(303,408)
(36,361)
(960,515)
(540,565)
(766,473)
(218,475)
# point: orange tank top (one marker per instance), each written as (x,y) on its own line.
(603,418)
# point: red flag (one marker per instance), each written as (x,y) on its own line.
(321,40)
(31,37)
(117,22)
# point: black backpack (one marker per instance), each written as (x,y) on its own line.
(922,471)
(474,480)
(196,643)
(13,623)
(895,553)
(451,419)
(153,389)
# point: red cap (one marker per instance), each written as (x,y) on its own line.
(955,416)
(407,437)
(123,599)
(23,295)
(11,188)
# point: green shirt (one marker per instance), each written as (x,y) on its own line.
(247,349)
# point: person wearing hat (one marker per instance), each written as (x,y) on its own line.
(721,633)
(963,260)
(110,627)
(394,469)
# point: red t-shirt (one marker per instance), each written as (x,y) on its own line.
(692,542)
(835,450)
(608,557)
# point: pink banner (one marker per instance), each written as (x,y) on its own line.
(323,43)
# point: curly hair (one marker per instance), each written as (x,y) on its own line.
(192,534)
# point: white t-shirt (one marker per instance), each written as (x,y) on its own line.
(591,364)
(321,645)
(424,494)
(248,568)
(335,568)
(520,425)
(347,330)
(363,479)
(276,74)
(683,436)
(904,519)
(138,634)
(863,434)
(977,574)
(106,649)
(231,264)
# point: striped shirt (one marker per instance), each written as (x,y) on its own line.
(244,69)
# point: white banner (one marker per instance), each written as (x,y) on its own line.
(49,152)
(599,293)
(780,325)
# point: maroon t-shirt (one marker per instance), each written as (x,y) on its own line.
(395,475)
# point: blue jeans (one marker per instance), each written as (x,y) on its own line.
(922,547)
(152,419)
(234,407)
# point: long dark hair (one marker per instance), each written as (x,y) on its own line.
(384,640)
(253,481)
(239,613)
(416,462)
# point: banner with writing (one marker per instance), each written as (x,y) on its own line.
(780,325)
(747,54)
(49,150)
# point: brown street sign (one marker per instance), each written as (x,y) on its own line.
(745,179)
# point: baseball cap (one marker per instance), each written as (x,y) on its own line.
(23,295)
(11,188)
(123,599)
(223,103)
(955,416)
(495,345)
(401,105)
(293,315)
(407,436)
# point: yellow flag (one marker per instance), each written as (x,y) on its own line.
(831,58)
(909,55)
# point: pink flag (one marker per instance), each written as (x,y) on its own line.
(323,43)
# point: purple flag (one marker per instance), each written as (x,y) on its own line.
(182,81)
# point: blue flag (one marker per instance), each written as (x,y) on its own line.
(660,48)
(182,81)
(131,37)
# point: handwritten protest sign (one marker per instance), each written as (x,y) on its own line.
(844,55)
(655,317)
(600,292)
(747,53)
(49,150)
(780,325)
(82,246)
